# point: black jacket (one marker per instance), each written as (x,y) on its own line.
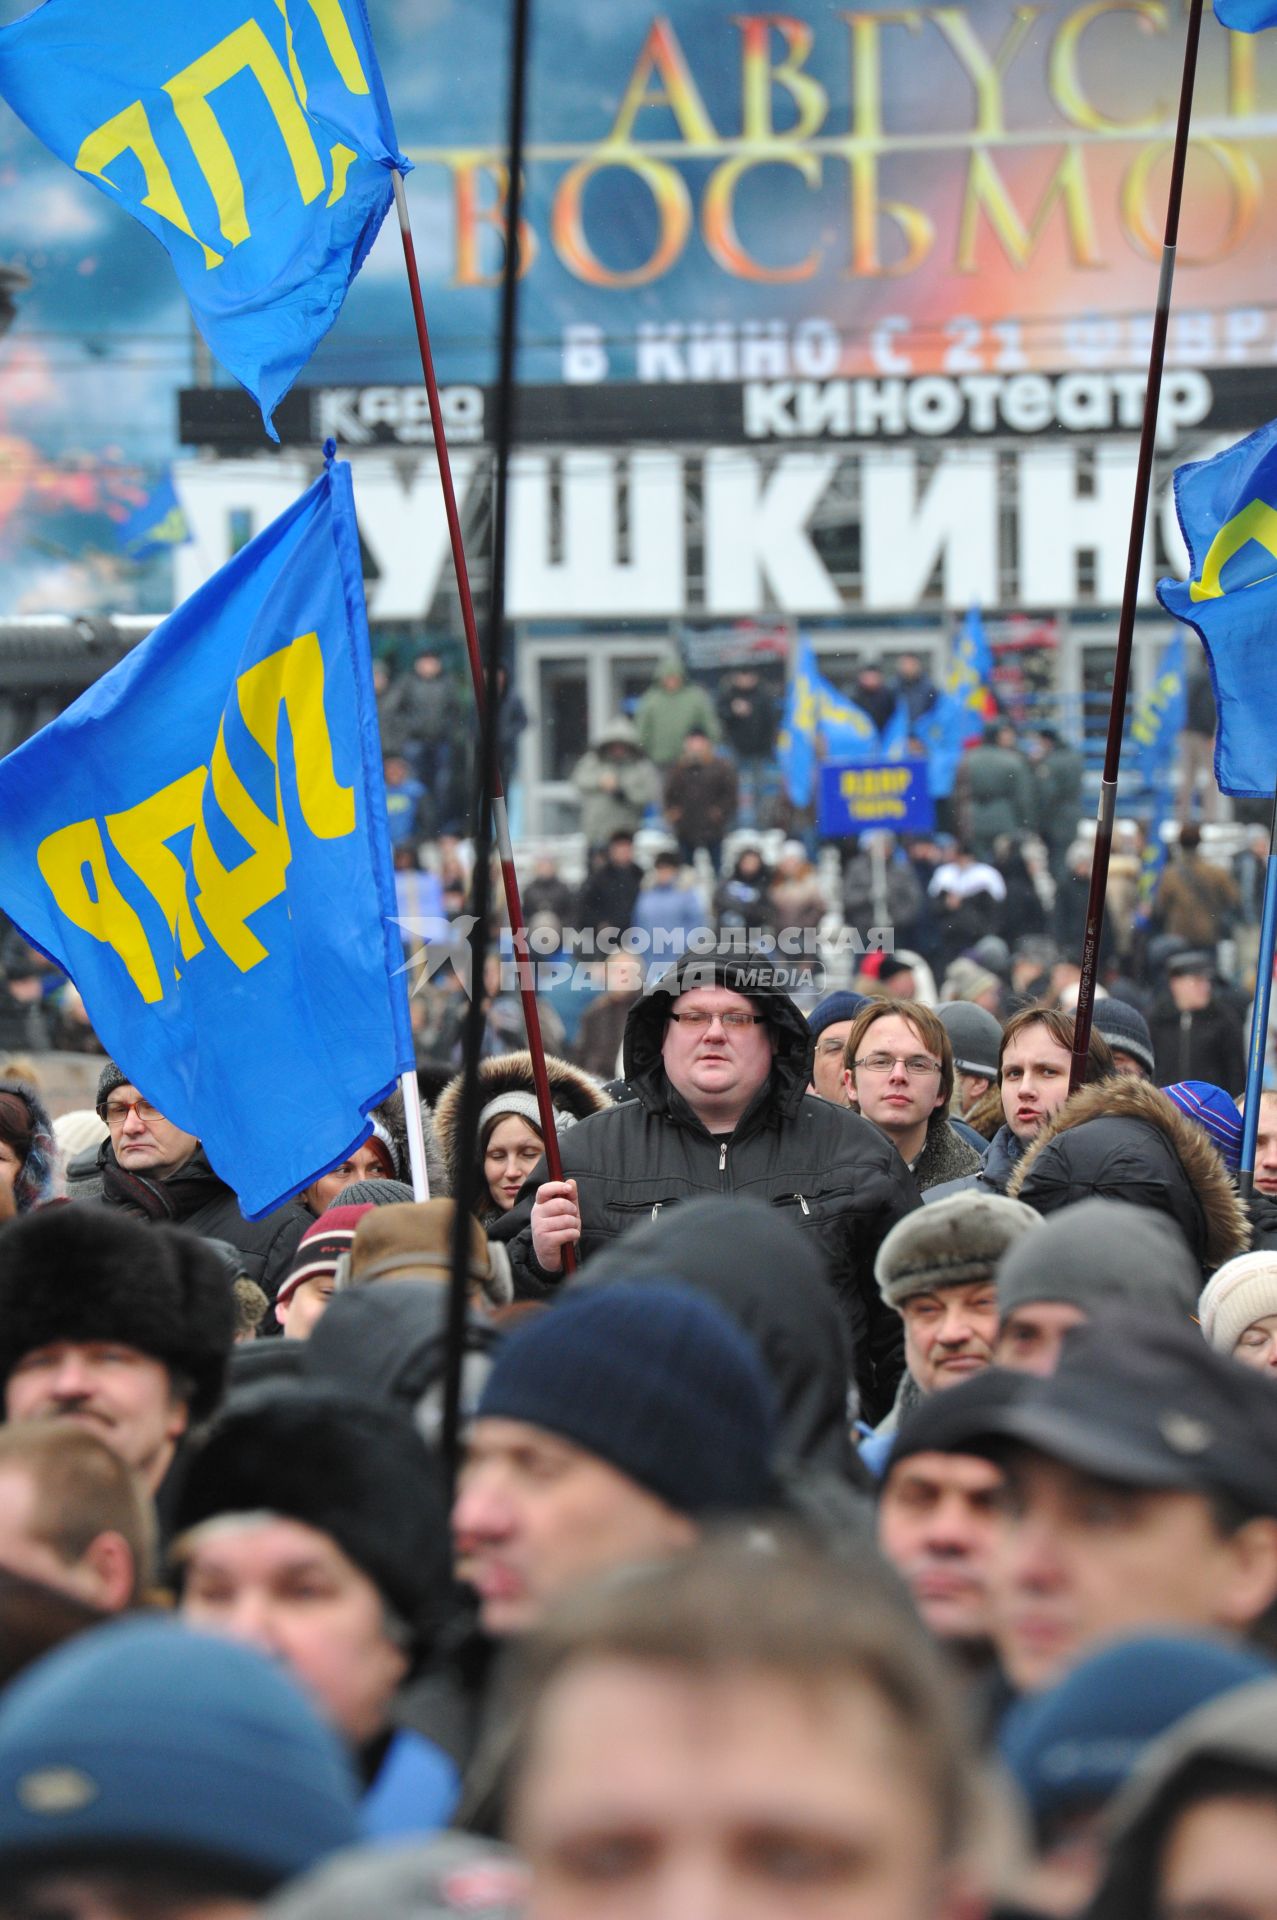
(1122,1139)
(1198,1046)
(196,1199)
(832,1173)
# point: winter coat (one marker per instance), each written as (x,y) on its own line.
(904,897)
(667,715)
(749,717)
(418,711)
(572,1092)
(413,1792)
(994,792)
(1003,1156)
(615,794)
(196,1199)
(701,797)
(608,897)
(1198,1046)
(391,1115)
(834,1174)
(666,915)
(1124,1140)
(1058,779)
(755,1262)
(945,1155)
(1196,900)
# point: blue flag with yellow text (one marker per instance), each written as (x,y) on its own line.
(1159,719)
(969,674)
(1227,511)
(817,714)
(157,526)
(253,138)
(200,841)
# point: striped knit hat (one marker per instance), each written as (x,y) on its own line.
(1214,1113)
(321,1247)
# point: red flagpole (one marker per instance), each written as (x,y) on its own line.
(505,848)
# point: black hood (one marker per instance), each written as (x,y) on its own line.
(388,1340)
(645,1028)
(774,1282)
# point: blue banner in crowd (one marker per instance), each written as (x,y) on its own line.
(200,841)
(253,138)
(820,723)
(1159,721)
(893,794)
(157,526)
(1227,511)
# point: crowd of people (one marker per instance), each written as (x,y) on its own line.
(865,1505)
(872,1516)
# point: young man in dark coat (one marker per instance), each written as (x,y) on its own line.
(723,1107)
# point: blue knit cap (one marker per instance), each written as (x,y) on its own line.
(833,1008)
(1073,1747)
(656,1380)
(1215,1113)
(143,1741)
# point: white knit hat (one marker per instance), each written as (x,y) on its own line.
(1242,1291)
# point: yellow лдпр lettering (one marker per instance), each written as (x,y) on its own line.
(246,49)
(73,860)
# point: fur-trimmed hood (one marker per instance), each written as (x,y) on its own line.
(1122,1139)
(39,1178)
(571,1089)
(390,1115)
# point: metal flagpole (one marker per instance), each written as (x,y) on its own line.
(1259,1015)
(416,1135)
(1134,557)
(505,849)
(492,808)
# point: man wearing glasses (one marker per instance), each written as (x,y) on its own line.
(898,1070)
(151,1169)
(720,1060)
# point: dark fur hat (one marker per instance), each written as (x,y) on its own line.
(83,1273)
(350,1468)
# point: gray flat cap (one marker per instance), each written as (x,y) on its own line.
(953,1243)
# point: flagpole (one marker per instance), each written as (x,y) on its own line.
(492,807)
(1259,1016)
(505,848)
(1134,559)
(416,1135)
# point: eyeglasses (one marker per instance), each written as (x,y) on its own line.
(733,1022)
(916,1065)
(118,1111)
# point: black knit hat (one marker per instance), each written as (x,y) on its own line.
(657,1381)
(1126,1030)
(359,1472)
(84,1273)
(108,1080)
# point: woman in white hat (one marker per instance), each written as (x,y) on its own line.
(1238,1310)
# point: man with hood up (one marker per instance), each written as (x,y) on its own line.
(617,783)
(670,709)
(720,1061)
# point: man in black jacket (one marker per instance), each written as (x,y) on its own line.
(151,1168)
(720,1060)
(1196,1034)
